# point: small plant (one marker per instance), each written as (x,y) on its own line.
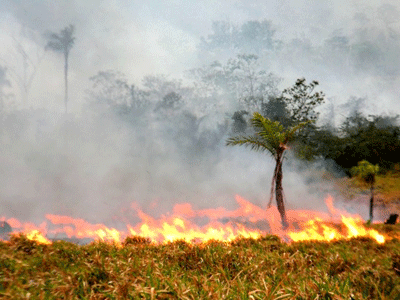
(136,240)
(367,172)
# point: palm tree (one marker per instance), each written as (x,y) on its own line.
(272,137)
(63,43)
(367,173)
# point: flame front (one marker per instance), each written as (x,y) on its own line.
(248,220)
(320,230)
(179,229)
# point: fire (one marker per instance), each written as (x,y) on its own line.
(35,235)
(178,229)
(80,228)
(320,230)
(248,220)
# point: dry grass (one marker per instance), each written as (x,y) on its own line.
(243,269)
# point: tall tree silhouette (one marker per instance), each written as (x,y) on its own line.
(63,43)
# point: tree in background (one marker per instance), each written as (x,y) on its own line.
(270,136)
(239,122)
(301,101)
(239,85)
(372,138)
(113,89)
(111,92)
(4,82)
(297,104)
(3,77)
(253,83)
(30,66)
(251,37)
(169,103)
(242,79)
(26,55)
(63,43)
(158,86)
(367,172)
(275,109)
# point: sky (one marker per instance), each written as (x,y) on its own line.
(151,37)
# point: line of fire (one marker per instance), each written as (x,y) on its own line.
(247,221)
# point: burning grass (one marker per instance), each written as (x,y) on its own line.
(174,258)
(247,221)
(264,268)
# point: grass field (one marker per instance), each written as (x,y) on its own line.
(243,269)
(266,268)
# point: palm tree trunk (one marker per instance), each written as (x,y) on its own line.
(371,205)
(279,189)
(66,80)
(271,195)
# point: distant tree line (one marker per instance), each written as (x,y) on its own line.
(366,48)
(223,94)
(374,138)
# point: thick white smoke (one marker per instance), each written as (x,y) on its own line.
(91,164)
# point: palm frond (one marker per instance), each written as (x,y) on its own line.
(261,123)
(270,135)
(270,131)
(62,42)
(254,142)
(257,121)
(289,134)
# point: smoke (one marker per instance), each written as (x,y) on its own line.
(93,164)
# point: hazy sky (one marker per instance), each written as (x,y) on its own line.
(152,37)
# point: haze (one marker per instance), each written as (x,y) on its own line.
(90,166)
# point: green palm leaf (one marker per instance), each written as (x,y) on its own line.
(290,133)
(269,136)
(272,137)
(254,142)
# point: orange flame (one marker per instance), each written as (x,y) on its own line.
(248,220)
(317,229)
(35,235)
